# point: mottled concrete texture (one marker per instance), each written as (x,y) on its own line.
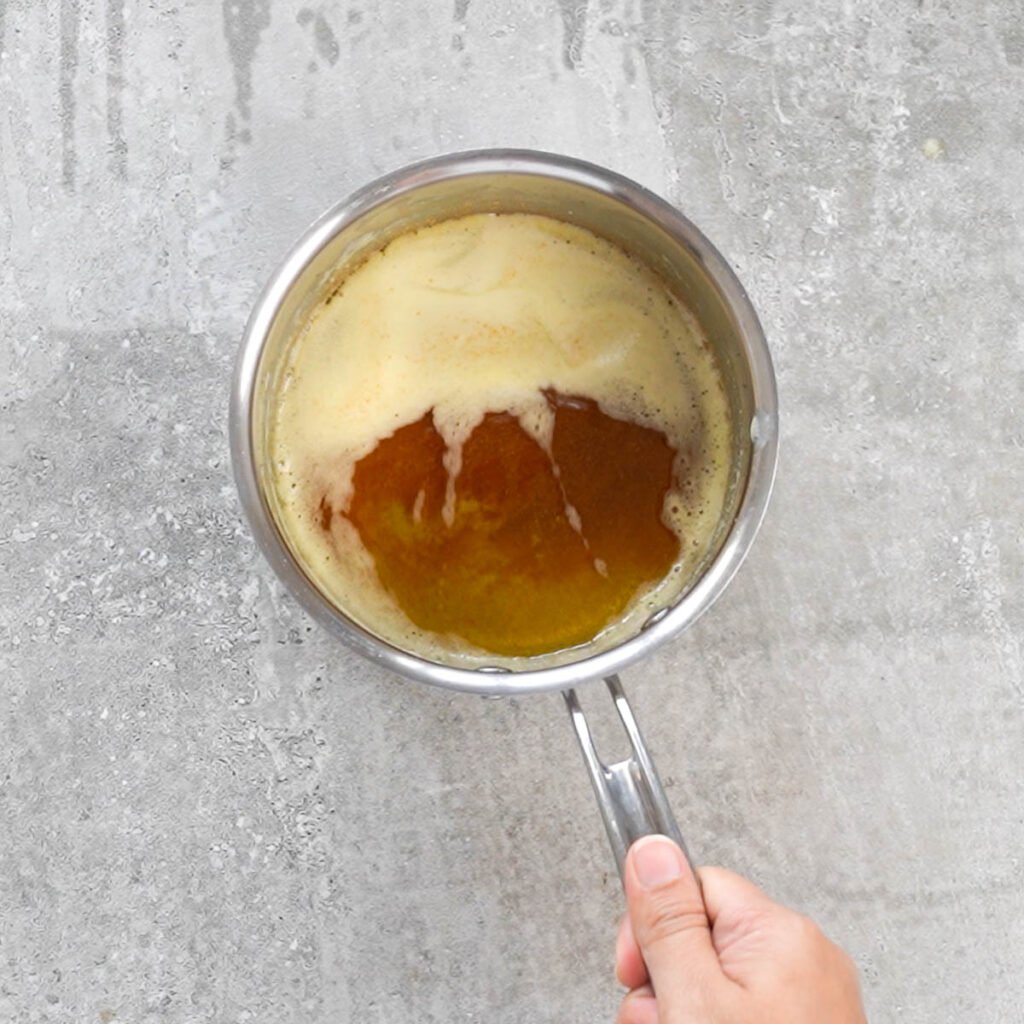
(208,811)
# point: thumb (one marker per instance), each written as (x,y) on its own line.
(666,910)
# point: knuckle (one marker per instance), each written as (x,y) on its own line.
(801,941)
(806,932)
(668,917)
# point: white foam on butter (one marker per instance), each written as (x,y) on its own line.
(480,314)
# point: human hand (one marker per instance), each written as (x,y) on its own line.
(731,956)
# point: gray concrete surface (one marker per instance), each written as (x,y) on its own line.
(208,811)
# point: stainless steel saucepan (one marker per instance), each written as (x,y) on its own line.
(629,793)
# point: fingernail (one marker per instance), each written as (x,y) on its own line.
(657,861)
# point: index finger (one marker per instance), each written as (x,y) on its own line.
(630,968)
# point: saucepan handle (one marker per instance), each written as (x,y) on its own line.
(629,793)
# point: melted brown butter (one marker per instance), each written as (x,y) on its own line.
(561,520)
(538,551)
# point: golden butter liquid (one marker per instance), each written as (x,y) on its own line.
(500,436)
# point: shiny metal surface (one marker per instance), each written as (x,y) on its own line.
(629,793)
(504,180)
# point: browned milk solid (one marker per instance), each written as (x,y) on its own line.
(480,314)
